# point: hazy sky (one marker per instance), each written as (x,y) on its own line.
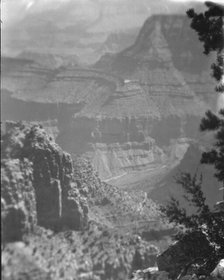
(15,10)
(31,24)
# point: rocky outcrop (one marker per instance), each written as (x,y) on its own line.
(58,200)
(18,203)
(179,257)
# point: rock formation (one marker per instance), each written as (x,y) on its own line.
(18,203)
(58,201)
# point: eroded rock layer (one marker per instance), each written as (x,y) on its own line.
(124,111)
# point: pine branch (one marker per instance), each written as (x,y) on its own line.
(209,122)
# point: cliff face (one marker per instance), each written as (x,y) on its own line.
(125,110)
(157,98)
(58,201)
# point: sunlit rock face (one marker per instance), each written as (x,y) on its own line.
(125,110)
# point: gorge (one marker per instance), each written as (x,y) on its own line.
(132,111)
(101,151)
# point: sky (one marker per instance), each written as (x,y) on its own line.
(15,10)
(27,21)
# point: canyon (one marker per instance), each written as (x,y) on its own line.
(131,112)
(100,115)
(60,221)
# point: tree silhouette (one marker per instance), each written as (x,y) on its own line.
(209,26)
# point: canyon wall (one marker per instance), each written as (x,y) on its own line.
(124,112)
(118,146)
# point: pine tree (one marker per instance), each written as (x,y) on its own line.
(215,156)
(209,26)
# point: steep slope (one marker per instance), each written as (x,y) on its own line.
(45,214)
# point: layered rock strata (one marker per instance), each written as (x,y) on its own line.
(156,89)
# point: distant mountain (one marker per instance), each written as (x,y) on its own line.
(51,61)
(165,42)
(163,38)
(74,26)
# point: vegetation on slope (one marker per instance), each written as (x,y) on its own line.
(67,244)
